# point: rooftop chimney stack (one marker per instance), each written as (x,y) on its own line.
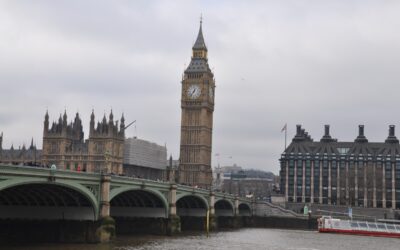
(327,137)
(361,137)
(391,130)
(326,130)
(301,134)
(392,137)
(298,129)
(360,130)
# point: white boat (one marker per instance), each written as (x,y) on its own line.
(327,224)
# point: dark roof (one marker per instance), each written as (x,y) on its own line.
(198,65)
(372,149)
(9,154)
(200,44)
(303,145)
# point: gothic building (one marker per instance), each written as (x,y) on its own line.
(358,173)
(197,104)
(21,156)
(64,144)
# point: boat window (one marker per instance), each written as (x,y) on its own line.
(398,227)
(362,224)
(381,226)
(391,227)
(353,224)
(372,225)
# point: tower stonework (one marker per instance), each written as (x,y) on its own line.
(197,104)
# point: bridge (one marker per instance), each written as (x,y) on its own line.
(100,204)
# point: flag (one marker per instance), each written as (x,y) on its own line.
(284,128)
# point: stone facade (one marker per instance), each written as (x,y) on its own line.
(64,144)
(197,103)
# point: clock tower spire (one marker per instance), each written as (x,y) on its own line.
(197,104)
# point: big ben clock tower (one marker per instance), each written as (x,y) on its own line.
(197,103)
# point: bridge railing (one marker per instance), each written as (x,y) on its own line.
(124,177)
(34,170)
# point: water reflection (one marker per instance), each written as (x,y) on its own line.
(250,239)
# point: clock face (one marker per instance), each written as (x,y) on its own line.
(210,92)
(194,91)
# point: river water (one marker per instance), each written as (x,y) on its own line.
(243,239)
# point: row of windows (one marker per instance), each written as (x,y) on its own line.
(342,164)
(76,166)
(360,169)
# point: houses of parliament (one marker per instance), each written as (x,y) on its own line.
(65,147)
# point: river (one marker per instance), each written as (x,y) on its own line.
(244,239)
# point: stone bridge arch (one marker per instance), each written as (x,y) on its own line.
(224,207)
(138,202)
(244,209)
(192,205)
(50,200)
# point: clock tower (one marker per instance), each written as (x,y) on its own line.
(197,103)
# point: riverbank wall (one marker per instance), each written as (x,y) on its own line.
(301,223)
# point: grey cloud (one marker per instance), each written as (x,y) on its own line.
(308,62)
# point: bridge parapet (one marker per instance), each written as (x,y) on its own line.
(14,170)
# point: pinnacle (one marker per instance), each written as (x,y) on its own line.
(200,44)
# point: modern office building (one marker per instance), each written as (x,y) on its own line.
(358,173)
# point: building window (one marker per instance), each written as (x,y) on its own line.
(343,151)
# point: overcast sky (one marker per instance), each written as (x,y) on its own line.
(275,62)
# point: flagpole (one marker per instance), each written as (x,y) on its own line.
(285,128)
(285,137)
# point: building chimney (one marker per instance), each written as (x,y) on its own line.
(392,137)
(299,134)
(327,137)
(360,130)
(391,130)
(327,130)
(361,138)
(298,129)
